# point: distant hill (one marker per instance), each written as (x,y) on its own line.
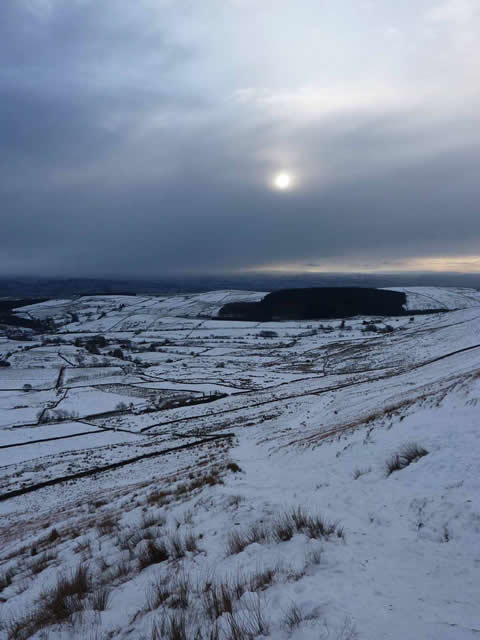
(318,302)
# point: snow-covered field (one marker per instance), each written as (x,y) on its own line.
(202,480)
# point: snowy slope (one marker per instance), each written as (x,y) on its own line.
(317,413)
(425,298)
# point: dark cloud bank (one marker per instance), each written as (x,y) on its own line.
(126,153)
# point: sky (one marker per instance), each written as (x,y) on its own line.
(144,138)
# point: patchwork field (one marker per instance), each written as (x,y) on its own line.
(166,474)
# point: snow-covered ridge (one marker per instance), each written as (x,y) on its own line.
(425,298)
(143,311)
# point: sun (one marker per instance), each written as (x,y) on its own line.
(282,181)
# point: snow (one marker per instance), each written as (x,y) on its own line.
(427,298)
(316,416)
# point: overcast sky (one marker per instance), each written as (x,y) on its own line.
(142,138)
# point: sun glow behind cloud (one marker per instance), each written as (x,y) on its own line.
(170,114)
(439,264)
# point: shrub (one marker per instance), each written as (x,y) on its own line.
(173,626)
(81,546)
(218,598)
(315,526)
(180,597)
(250,622)
(151,520)
(56,605)
(293,617)
(283,528)
(6,578)
(410,452)
(261,580)
(42,562)
(106,525)
(152,553)
(158,593)
(158,497)
(64,598)
(191,542)
(177,545)
(394,463)
(237,541)
(100,598)
(313,557)
(360,472)
(119,570)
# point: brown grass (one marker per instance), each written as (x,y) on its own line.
(152,552)
(56,605)
(283,529)
(410,452)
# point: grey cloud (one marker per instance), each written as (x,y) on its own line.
(124,152)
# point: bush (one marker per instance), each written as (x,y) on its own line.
(410,452)
(360,472)
(261,580)
(239,540)
(6,578)
(158,593)
(394,463)
(250,622)
(152,520)
(315,526)
(293,617)
(191,542)
(180,597)
(106,525)
(55,606)
(152,553)
(100,598)
(172,627)
(42,562)
(282,529)
(218,598)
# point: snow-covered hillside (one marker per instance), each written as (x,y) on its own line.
(426,298)
(128,313)
(181,477)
